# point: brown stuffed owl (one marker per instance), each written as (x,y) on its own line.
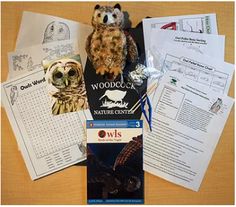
(108,47)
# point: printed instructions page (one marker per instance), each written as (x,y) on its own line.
(188,120)
(27,59)
(199,23)
(48,143)
(205,44)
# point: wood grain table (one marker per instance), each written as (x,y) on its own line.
(69,186)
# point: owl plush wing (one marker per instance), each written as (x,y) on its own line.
(132,50)
(88,46)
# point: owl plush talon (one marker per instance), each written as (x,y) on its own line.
(101,70)
(116,71)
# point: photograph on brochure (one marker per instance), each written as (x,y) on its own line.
(65,81)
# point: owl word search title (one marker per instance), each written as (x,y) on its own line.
(36,82)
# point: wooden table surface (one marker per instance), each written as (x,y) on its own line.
(69,186)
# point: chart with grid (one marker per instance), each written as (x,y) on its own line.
(48,133)
(215,80)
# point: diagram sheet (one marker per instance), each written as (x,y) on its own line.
(48,143)
(188,120)
(198,23)
(28,59)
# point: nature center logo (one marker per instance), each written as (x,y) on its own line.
(114,98)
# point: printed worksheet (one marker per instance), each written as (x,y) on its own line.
(28,59)
(198,23)
(210,72)
(40,29)
(205,44)
(188,120)
(48,143)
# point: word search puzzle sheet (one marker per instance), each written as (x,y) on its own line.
(48,143)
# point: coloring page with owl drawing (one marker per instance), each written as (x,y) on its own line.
(66,86)
(41,29)
(28,59)
(48,143)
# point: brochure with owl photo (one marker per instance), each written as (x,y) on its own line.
(65,82)
(115,162)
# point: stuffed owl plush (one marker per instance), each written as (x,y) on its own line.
(66,86)
(108,47)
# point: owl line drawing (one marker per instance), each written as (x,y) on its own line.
(216,106)
(82,148)
(31,66)
(18,61)
(56,31)
(67,87)
(24,62)
(13,94)
(58,51)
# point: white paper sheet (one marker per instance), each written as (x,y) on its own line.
(205,44)
(187,121)
(210,72)
(48,143)
(27,59)
(198,23)
(40,28)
